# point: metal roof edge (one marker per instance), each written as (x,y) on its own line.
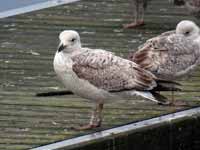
(34,7)
(83,140)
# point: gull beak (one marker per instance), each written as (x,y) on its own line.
(60,47)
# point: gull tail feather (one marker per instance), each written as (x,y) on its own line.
(153,96)
(165,85)
(168,82)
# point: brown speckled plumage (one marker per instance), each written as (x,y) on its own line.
(111,73)
(168,55)
(100,75)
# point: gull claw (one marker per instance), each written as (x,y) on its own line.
(87,127)
(133,24)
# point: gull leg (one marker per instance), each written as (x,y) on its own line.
(141,13)
(96,118)
(175,102)
(136,6)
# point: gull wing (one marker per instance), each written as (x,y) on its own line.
(109,72)
(167,55)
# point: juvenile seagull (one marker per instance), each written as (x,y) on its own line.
(99,75)
(172,54)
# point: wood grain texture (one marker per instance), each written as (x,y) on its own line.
(27,46)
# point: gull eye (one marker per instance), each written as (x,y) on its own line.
(186,33)
(73,39)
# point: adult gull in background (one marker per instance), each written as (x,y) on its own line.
(172,54)
(99,75)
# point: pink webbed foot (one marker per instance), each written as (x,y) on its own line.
(133,25)
(87,127)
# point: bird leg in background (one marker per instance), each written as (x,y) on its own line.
(96,118)
(138,14)
(141,13)
(176,102)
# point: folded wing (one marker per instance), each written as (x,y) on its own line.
(109,72)
(167,55)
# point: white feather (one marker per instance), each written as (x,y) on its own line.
(147,95)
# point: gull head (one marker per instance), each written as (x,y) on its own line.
(69,41)
(189,29)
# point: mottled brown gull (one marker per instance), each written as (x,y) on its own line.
(99,75)
(172,54)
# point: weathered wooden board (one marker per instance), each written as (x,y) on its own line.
(27,46)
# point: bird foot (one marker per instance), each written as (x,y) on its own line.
(95,120)
(87,127)
(133,25)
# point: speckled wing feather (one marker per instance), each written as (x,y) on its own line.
(167,33)
(111,73)
(167,56)
(164,34)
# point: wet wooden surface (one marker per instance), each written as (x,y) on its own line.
(27,46)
